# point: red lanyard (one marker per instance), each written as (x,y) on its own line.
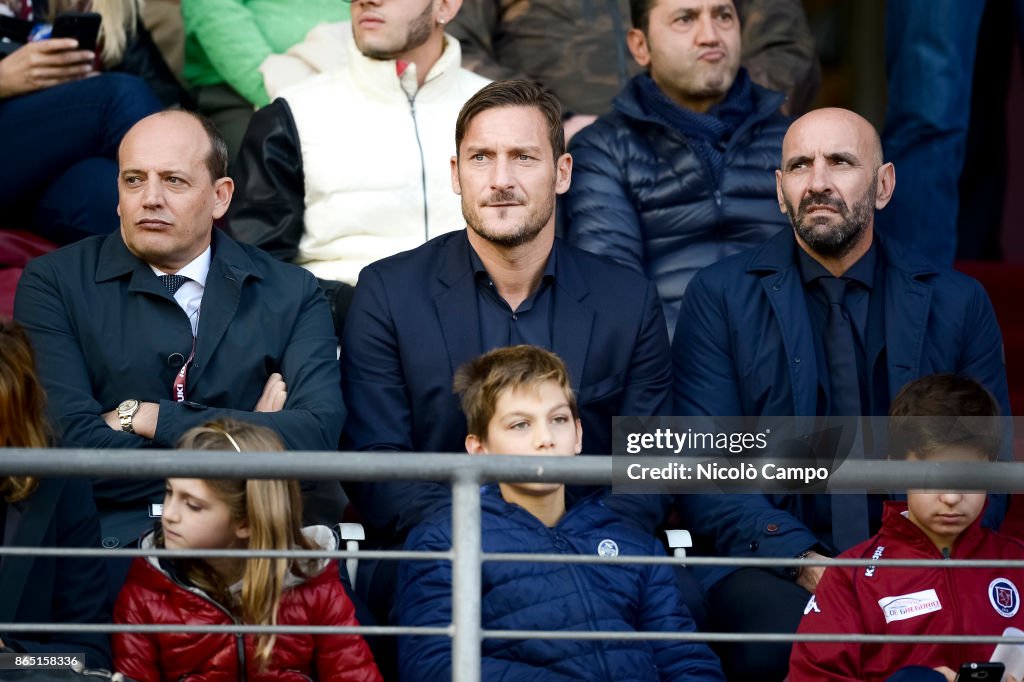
(178,387)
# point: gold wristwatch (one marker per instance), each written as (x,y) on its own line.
(125,412)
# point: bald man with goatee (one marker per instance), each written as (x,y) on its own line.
(830,319)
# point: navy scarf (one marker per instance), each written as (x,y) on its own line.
(709,133)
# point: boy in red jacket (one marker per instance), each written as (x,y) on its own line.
(929,525)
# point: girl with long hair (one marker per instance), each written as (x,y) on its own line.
(237,514)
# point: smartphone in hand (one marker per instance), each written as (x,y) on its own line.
(82,26)
(989,671)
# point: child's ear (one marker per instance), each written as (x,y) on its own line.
(475,445)
(242,530)
(579,436)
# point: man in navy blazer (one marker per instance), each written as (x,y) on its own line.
(504,280)
(747,343)
(127,362)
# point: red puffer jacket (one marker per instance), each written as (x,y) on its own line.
(909,601)
(152,596)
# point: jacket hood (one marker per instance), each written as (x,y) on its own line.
(321,536)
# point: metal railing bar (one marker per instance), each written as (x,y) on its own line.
(466,578)
(751,637)
(497,557)
(445,631)
(450,631)
(348,466)
(391,466)
(226,553)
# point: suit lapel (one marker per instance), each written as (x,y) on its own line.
(456,304)
(35,519)
(907,303)
(573,318)
(785,292)
(229,269)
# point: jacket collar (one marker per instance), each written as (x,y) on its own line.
(896,523)
(777,254)
(115,260)
(381,77)
(457,310)
(229,268)
(492,502)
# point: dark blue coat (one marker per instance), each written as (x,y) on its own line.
(414,320)
(60,513)
(744,346)
(564,597)
(642,196)
(105,329)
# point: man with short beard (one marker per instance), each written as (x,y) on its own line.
(348,167)
(758,334)
(678,174)
(504,280)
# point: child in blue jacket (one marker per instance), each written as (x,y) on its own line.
(517,400)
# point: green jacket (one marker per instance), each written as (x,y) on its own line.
(227,40)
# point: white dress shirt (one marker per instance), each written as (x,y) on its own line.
(190,295)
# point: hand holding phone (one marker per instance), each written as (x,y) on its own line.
(43,64)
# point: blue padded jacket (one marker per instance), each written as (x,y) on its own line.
(564,597)
(642,196)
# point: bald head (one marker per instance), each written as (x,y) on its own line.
(832,126)
(831,182)
(171,187)
(177,126)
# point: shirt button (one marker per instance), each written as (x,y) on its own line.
(754,545)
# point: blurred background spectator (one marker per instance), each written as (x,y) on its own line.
(227,40)
(583,59)
(63,116)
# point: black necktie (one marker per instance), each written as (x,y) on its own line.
(840,351)
(173,282)
(849,510)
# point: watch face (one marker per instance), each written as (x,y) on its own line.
(128,406)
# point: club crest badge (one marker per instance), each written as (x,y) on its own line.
(607,548)
(1004,597)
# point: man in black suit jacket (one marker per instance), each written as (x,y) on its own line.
(504,280)
(129,361)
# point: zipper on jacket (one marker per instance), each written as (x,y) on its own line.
(585,597)
(239,637)
(423,165)
(952,588)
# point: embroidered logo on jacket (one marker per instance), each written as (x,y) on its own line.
(910,605)
(877,555)
(607,548)
(1004,597)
